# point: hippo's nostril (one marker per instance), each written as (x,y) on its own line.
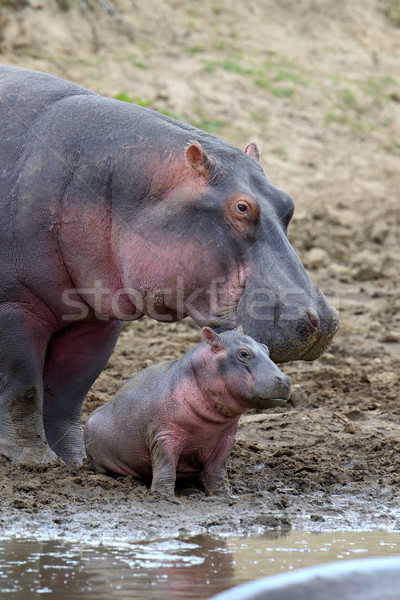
(313,319)
(278,379)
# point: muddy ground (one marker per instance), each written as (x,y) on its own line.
(316,84)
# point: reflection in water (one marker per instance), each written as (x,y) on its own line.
(167,569)
(190,568)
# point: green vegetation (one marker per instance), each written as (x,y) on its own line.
(199,120)
(281,152)
(290,76)
(230,65)
(259,118)
(17,4)
(348,98)
(280,92)
(373,88)
(64,4)
(194,50)
(126,98)
(170,113)
(268,75)
(394,148)
(393,11)
(217,9)
(207,124)
(334,117)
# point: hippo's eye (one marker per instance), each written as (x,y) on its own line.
(244,355)
(243,212)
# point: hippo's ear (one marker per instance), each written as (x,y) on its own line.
(210,337)
(252,150)
(197,158)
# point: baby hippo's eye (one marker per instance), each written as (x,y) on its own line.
(244,355)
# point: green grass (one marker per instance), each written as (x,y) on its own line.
(217,9)
(209,66)
(372,88)
(334,117)
(276,60)
(208,125)
(200,121)
(17,4)
(193,50)
(348,98)
(282,92)
(230,65)
(263,81)
(393,11)
(170,113)
(259,118)
(126,98)
(290,76)
(279,92)
(281,152)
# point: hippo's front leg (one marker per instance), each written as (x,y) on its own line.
(215,478)
(75,358)
(216,482)
(23,341)
(164,458)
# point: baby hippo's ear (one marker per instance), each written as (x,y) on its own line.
(210,337)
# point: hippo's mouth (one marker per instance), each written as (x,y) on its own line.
(320,345)
(266,403)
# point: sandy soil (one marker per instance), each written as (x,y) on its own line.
(316,84)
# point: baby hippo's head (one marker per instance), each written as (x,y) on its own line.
(247,370)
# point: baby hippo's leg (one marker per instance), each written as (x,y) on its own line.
(215,479)
(164,458)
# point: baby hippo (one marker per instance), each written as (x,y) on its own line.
(178,419)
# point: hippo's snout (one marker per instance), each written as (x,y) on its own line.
(291,329)
(274,392)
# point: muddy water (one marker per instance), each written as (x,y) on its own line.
(187,568)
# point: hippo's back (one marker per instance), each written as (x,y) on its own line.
(24,93)
(24,96)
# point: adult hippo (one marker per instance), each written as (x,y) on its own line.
(365,579)
(110,211)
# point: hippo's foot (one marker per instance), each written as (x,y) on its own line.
(22,436)
(216,483)
(156,495)
(39,454)
(218,493)
(66,440)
